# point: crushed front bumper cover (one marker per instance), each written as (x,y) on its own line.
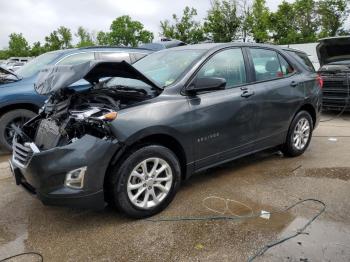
(43,173)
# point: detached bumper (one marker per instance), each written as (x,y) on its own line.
(43,173)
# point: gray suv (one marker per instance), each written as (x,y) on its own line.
(139,130)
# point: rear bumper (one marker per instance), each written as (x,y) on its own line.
(45,172)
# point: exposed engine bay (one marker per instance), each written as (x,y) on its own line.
(69,114)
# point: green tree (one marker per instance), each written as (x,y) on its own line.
(222,22)
(37,49)
(245,12)
(65,36)
(4,54)
(259,21)
(103,38)
(332,14)
(18,45)
(284,25)
(127,32)
(58,39)
(306,20)
(186,28)
(85,38)
(53,42)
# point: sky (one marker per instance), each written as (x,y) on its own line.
(37,18)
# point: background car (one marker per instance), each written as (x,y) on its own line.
(14,63)
(334,56)
(18,100)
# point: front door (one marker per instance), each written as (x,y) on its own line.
(223,121)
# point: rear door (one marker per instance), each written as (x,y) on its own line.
(277,95)
(223,121)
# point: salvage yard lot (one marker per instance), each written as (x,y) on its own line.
(264,181)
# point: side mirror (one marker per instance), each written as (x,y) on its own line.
(203,84)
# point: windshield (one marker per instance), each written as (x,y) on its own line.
(163,67)
(35,65)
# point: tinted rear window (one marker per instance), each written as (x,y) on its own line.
(302,58)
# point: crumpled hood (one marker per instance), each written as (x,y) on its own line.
(53,78)
(333,49)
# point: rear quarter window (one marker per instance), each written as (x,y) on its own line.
(303,59)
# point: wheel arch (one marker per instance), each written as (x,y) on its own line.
(163,139)
(28,106)
(310,109)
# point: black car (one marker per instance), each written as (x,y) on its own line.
(334,56)
(141,129)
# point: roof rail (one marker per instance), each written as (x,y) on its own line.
(111,46)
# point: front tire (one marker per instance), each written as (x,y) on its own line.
(299,135)
(18,117)
(145,182)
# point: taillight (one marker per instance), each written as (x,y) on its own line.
(319,80)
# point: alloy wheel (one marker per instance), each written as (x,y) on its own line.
(149,183)
(9,130)
(301,133)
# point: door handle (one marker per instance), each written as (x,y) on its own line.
(293,84)
(247,93)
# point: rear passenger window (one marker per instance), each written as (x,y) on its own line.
(266,64)
(287,69)
(227,64)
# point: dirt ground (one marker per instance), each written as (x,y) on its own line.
(264,181)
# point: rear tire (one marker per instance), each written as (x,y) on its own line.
(145,182)
(18,117)
(299,135)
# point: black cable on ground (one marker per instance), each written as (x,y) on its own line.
(266,247)
(299,231)
(23,254)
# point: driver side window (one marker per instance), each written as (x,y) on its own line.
(227,64)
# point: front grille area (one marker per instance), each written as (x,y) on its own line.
(335,91)
(21,153)
(48,134)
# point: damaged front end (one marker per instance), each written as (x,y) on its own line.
(62,154)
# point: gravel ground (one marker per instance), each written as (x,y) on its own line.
(264,181)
